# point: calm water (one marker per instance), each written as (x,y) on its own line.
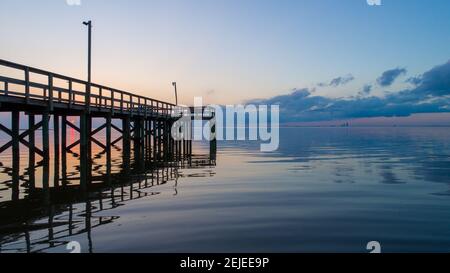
(325,190)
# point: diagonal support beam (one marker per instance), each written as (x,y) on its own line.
(72,145)
(117,128)
(5,147)
(98,143)
(116,141)
(78,142)
(34,128)
(22,138)
(6,130)
(71,125)
(96,131)
(29,146)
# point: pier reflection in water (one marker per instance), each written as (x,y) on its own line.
(45,217)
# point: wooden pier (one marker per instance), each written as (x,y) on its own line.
(145,131)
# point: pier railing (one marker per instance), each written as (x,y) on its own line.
(32,84)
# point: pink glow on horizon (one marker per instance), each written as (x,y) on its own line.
(432,119)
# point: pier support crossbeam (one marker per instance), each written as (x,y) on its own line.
(21,138)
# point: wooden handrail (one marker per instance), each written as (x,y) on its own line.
(126,100)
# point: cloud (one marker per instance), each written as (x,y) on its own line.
(434,82)
(388,77)
(343,80)
(430,95)
(366,89)
(414,80)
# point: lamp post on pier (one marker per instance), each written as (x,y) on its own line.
(89,25)
(176,93)
(85,119)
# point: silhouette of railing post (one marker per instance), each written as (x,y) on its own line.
(15,125)
(155,143)
(184,148)
(179,148)
(148,145)
(134,139)
(89,147)
(190,144)
(137,141)
(108,146)
(31,153)
(126,147)
(83,151)
(165,142)
(46,153)
(56,150)
(160,140)
(64,149)
(142,146)
(171,142)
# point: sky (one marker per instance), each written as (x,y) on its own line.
(324,52)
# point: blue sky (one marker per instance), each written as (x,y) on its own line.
(231,51)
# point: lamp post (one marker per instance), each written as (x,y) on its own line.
(176,93)
(85,120)
(89,25)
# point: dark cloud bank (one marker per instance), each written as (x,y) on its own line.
(429,93)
